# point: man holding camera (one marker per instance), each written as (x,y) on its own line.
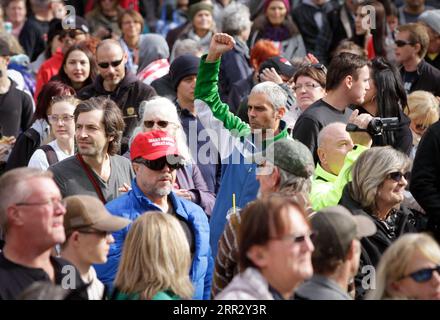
(347,83)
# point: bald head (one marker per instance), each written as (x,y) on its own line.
(334,142)
(109,44)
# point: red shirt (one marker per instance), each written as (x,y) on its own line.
(48,69)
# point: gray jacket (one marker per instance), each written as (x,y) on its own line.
(321,288)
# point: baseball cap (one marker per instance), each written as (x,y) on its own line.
(77,23)
(432,19)
(153,145)
(288,154)
(336,228)
(281,65)
(83,211)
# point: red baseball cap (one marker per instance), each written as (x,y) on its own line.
(153,145)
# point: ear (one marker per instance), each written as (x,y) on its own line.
(280,113)
(74,238)
(259,255)
(321,155)
(136,167)
(15,216)
(348,81)
(111,138)
(418,48)
(394,288)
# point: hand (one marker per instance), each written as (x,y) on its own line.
(362,121)
(269,74)
(125,188)
(310,59)
(220,43)
(183,193)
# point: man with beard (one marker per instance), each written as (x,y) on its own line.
(116,82)
(96,169)
(155,158)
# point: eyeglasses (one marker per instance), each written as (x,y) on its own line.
(402,43)
(161,123)
(52,202)
(298,238)
(114,64)
(423,275)
(397,176)
(307,86)
(159,164)
(71,33)
(64,118)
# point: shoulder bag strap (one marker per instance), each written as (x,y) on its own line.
(51,155)
(91,177)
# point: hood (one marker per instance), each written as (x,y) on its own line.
(152,47)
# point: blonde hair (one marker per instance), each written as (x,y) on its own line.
(156,257)
(370,171)
(423,105)
(396,259)
(164,109)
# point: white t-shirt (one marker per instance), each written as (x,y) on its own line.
(95,290)
(39,159)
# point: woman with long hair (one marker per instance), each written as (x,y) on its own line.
(155,261)
(386,99)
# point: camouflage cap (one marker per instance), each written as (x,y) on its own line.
(290,155)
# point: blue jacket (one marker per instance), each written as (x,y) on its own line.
(134,203)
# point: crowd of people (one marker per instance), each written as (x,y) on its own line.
(220,149)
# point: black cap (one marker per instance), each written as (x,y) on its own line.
(4,49)
(281,65)
(78,23)
(183,66)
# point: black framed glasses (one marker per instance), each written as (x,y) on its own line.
(402,43)
(161,123)
(423,275)
(159,164)
(53,202)
(397,176)
(295,238)
(114,64)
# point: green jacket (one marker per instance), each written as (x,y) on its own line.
(326,187)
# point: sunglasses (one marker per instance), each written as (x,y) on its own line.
(397,176)
(71,33)
(319,66)
(159,164)
(114,64)
(294,238)
(161,123)
(423,275)
(402,43)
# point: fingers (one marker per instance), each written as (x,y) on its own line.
(353,116)
(224,38)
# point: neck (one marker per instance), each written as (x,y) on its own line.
(5,83)
(411,65)
(414,10)
(77,85)
(110,12)
(371,107)
(100,164)
(109,86)
(337,100)
(29,256)
(66,145)
(83,267)
(383,210)
(201,32)
(132,41)
(17,24)
(341,276)
(187,105)
(160,201)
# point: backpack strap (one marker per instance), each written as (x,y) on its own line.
(51,155)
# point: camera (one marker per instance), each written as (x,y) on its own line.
(377,126)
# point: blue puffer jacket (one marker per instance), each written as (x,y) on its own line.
(131,205)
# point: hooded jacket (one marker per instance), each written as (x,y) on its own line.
(133,204)
(128,95)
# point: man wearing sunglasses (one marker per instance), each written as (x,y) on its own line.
(155,158)
(31,220)
(412,42)
(233,138)
(337,252)
(76,31)
(116,82)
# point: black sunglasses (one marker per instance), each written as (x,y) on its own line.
(402,43)
(423,275)
(161,123)
(159,164)
(114,64)
(71,33)
(397,176)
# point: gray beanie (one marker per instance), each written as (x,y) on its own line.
(432,19)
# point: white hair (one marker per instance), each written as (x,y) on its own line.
(275,94)
(236,19)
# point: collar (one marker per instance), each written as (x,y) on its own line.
(283,134)
(330,284)
(320,173)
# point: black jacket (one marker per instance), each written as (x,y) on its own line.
(435,63)
(128,96)
(373,247)
(425,177)
(23,149)
(428,78)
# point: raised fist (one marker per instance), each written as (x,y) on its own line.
(220,43)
